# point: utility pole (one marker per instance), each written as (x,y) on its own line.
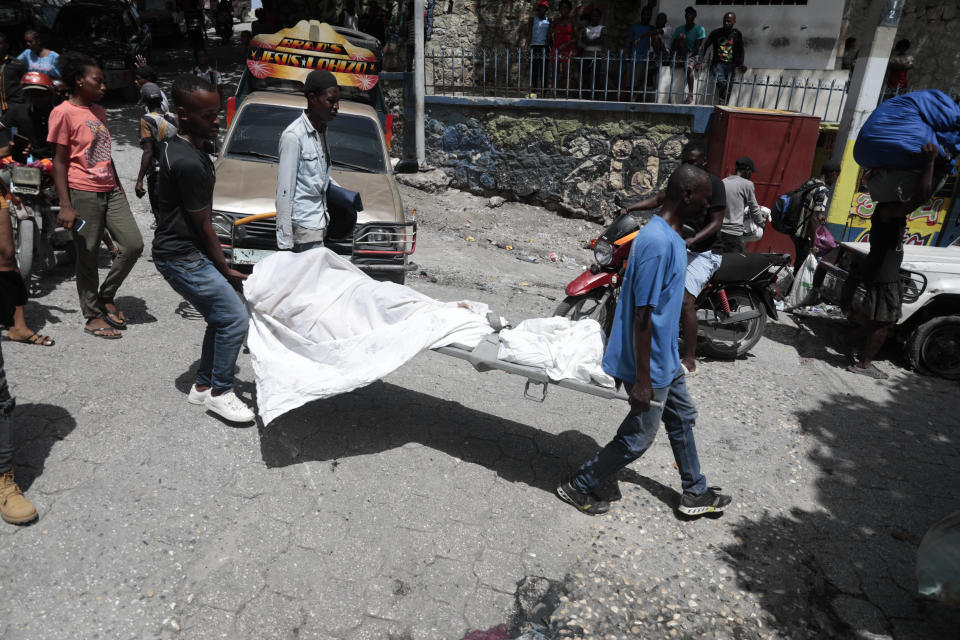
(868,74)
(866,86)
(418,82)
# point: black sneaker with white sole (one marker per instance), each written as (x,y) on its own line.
(586,503)
(710,502)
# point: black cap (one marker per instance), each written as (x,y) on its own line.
(745,162)
(319,81)
(150,91)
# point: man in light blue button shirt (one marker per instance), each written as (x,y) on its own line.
(304,172)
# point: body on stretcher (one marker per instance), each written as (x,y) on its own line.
(484,357)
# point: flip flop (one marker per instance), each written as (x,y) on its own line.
(37,339)
(870,372)
(121,324)
(99,333)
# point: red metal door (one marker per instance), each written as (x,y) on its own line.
(782,146)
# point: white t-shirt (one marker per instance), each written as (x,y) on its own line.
(592,32)
(211,75)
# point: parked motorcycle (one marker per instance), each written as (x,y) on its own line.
(35,221)
(732,309)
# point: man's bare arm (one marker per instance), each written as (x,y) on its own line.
(716,221)
(642,392)
(211,247)
(647,203)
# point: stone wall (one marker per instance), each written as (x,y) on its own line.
(578,162)
(930,26)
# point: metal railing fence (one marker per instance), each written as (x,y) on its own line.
(618,77)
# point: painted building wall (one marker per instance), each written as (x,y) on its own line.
(778,36)
(584,164)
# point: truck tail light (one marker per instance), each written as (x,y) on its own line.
(232,109)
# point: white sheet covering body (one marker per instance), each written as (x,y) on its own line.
(320,327)
(563,348)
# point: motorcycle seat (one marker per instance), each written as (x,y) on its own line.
(742,267)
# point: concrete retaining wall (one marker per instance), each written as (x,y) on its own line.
(580,158)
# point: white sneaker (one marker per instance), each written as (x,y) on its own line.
(228,406)
(198,397)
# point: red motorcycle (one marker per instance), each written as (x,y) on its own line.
(732,309)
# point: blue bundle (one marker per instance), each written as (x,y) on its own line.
(897,129)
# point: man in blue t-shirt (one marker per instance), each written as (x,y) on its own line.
(643,353)
(686,42)
(640,34)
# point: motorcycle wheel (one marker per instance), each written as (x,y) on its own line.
(588,305)
(23,236)
(733,341)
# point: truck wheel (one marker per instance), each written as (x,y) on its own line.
(934,347)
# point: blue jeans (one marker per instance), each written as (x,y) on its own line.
(724,74)
(199,282)
(636,434)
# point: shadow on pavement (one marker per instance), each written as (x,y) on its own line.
(827,340)
(885,473)
(36,428)
(353,424)
(39,316)
(135,309)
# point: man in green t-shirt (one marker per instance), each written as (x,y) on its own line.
(686,42)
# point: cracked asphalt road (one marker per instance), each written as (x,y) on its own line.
(415,507)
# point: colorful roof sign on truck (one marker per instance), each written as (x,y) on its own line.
(293,53)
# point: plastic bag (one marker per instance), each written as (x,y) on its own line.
(802,288)
(753,226)
(823,240)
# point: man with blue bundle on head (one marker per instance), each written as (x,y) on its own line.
(908,144)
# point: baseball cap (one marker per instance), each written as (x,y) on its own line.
(745,162)
(150,91)
(543,3)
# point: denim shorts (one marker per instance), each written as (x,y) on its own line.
(700,268)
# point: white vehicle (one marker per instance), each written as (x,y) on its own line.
(930,325)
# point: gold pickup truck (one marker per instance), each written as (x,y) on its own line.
(247,183)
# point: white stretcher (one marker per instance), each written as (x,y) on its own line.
(484,357)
